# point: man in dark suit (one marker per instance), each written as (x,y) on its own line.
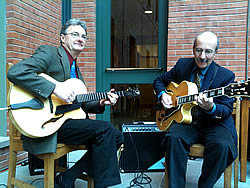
(102,139)
(212,124)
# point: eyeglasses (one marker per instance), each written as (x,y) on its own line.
(208,52)
(77,35)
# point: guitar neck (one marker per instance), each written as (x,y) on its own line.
(97,96)
(209,93)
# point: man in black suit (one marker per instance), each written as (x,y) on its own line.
(212,123)
(102,139)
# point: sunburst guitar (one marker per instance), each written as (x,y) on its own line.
(183,98)
(35,117)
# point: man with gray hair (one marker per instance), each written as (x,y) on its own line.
(102,139)
(212,123)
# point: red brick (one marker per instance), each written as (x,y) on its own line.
(227,18)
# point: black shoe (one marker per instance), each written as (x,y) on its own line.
(60,184)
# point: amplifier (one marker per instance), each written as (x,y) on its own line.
(140,127)
(142,148)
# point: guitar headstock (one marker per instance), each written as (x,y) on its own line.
(132,92)
(238,89)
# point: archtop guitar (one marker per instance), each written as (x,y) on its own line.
(183,97)
(35,117)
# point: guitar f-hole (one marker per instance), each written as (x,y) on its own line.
(52,120)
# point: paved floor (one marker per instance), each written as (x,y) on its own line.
(156,178)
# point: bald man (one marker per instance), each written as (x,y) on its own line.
(212,123)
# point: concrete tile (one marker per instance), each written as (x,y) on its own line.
(156,178)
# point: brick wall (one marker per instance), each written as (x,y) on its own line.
(4,152)
(227,18)
(86,10)
(4,157)
(29,25)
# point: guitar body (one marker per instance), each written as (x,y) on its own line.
(32,122)
(178,113)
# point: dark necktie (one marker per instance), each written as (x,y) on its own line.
(73,70)
(197,79)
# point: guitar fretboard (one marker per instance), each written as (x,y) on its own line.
(191,98)
(97,96)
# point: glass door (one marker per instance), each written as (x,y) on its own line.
(131,53)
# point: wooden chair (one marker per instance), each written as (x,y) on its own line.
(50,164)
(197,150)
(245,106)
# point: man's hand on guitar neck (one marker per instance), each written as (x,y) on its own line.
(166,100)
(112,98)
(204,102)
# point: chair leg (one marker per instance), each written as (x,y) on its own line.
(166,174)
(236,172)
(12,167)
(49,170)
(228,176)
(166,178)
(90,182)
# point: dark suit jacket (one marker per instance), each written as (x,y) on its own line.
(54,62)
(215,77)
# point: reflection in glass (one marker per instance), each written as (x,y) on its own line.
(134,34)
(128,109)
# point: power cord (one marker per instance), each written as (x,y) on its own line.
(140,178)
(37,179)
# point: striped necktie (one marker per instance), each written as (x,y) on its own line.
(73,70)
(197,79)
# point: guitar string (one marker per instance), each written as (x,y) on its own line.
(209,93)
(97,96)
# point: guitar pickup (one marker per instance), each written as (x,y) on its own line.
(67,108)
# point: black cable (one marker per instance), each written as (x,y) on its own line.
(140,178)
(3,185)
(36,180)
